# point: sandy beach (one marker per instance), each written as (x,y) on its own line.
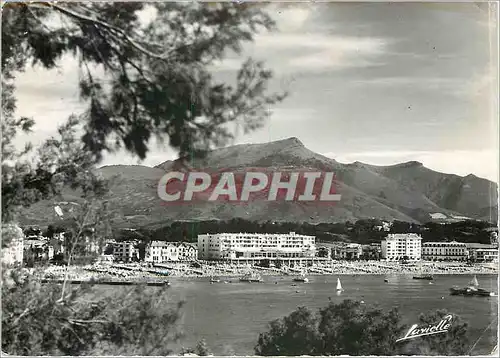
(143,272)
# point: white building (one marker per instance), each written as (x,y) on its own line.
(162,251)
(232,246)
(13,252)
(483,252)
(444,251)
(125,251)
(396,247)
(187,251)
(348,251)
(486,255)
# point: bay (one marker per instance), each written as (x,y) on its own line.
(230,316)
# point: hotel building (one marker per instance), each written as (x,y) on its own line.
(444,251)
(252,247)
(396,247)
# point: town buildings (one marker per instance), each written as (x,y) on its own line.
(252,247)
(444,251)
(396,247)
(482,252)
(346,251)
(126,251)
(38,249)
(162,251)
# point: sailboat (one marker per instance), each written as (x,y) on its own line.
(474,282)
(339,285)
(471,290)
(422,276)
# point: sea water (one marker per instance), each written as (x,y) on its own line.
(230,316)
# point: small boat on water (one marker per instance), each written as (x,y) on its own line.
(423,277)
(251,277)
(471,290)
(302,278)
(339,285)
(214,279)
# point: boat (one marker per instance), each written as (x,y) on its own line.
(251,277)
(472,289)
(214,280)
(339,286)
(301,278)
(423,277)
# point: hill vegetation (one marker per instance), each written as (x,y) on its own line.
(362,231)
(406,192)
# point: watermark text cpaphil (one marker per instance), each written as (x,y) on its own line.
(249,185)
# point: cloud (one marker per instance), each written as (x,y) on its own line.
(457,86)
(483,163)
(287,52)
(291,18)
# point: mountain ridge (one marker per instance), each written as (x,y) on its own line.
(405,191)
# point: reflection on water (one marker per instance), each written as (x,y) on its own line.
(230,316)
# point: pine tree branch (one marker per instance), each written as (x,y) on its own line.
(117,31)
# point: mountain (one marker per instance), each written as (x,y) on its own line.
(407,192)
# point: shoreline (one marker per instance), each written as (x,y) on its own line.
(136,273)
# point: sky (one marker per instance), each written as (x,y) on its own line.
(379,83)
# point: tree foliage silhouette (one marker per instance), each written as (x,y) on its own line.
(139,79)
(353,328)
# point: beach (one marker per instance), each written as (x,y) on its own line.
(142,272)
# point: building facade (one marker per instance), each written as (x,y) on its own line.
(347,251)
(444,251)
(485,255)
(162,251)
(482,252)
(244,246)
(396,247)
(187,252)
(125,251)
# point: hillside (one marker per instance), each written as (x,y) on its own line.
(407,192)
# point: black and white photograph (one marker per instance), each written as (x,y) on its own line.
(247,178)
